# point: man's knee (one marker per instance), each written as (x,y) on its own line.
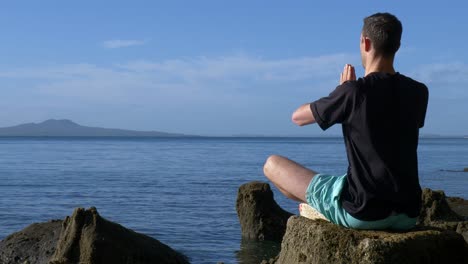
(271,162)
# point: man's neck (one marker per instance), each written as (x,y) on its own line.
(380,64)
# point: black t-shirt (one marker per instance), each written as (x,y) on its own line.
(380,115)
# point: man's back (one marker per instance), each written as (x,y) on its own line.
(381,134)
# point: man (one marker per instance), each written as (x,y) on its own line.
(380,115)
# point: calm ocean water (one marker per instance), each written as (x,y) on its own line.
(181,191)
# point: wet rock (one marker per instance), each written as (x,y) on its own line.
(254,251)
(86,237)
(465,169)
(34,244)
(318,241)
(261,218)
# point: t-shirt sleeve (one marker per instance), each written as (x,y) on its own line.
(336,107)
(425,99)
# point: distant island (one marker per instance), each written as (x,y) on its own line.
(440,136)
(68,128)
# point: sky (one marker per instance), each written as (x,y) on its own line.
(216,68)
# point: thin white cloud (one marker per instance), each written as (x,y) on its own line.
(446,81)
(447,73)
(206,78)
(120,43)
(245,68)
(65,71)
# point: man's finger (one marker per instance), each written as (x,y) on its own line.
(350,72)
(345,72)
(353,73)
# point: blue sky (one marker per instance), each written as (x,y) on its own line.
(214,67)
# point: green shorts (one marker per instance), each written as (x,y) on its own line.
(324,193)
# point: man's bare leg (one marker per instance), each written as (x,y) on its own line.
(291,178)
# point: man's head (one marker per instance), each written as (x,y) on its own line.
(381,35)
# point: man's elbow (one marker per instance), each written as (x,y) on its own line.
(297,120)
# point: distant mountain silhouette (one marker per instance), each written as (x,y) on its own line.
(68,128)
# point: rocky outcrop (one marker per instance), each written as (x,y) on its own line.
(318,241)
(34,244)
(444,213)
(435,240)
(465,169)
(459,206)
(86,238)
(435,208)
(261,218)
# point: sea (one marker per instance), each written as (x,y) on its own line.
(181,191)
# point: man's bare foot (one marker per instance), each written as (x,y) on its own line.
(308,211)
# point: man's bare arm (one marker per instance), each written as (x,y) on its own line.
(303,116)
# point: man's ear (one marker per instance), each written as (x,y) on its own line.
(367,44)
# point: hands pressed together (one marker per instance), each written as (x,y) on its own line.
(304,116)
(348,74)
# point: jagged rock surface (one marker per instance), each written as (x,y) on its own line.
(86,237)
(318,241)
(435,208)
(34,244)
(435,240)
(261,218)
(437,212)
(459,206)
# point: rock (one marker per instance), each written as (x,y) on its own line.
(459,206)
(435,240)
(318,241)
(270,261)
(254,251)
(465,169)
(435,208)
(462,229)
(34,244)
(437,212)
(86,237)
(260,217)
